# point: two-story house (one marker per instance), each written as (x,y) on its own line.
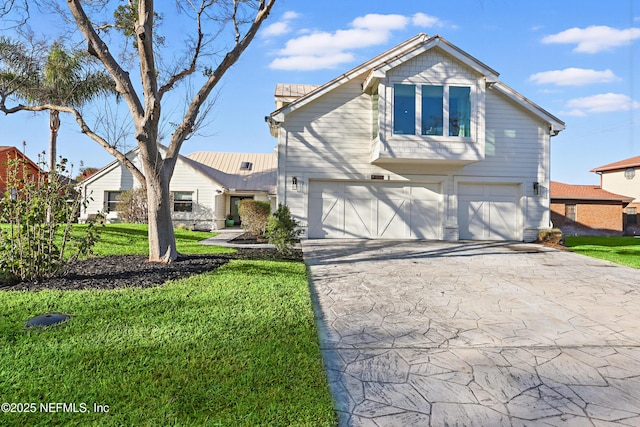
(420,142)
(623,177)
(26,169)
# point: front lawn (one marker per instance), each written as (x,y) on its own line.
(233,347)
(621,250)
(131,239)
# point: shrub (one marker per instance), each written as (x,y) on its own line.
(552,236)
(132,206)
(254,215)
(39,212)
(282,230)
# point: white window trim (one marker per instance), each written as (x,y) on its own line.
(474,99)
(192,201)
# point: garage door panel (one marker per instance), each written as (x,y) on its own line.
(426,219)
(471,219)
(325,221)
(358,220)
(488,212)
(391,219)
(503,220)
(374,210)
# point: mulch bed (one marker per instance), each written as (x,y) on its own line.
(114,272)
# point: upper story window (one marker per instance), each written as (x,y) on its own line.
(630,173)
(439,110)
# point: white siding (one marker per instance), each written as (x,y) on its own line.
(330,139)
(185,178)
(117,179)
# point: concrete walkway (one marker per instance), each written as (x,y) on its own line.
(476,334)
(225,238)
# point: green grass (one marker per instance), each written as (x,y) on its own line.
(233,347)
(131,239)
(621,250)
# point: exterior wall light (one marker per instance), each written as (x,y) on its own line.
(294,183)
(536,188)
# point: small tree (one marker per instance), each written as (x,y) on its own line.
(132,206)
(282,230)
(254,215)
(39,212)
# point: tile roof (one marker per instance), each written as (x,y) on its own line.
(560,190)
(225,168)
(622,164)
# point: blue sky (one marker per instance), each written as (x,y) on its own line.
(580,60)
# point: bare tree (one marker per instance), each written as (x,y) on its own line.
(211,19)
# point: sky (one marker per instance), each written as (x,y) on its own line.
(579,60)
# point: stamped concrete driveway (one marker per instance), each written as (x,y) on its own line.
(487,334)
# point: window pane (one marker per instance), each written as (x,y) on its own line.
(459,111)
(432,117)
(113,197)
(375,103)
(404,109)
(182,201)
(182,195)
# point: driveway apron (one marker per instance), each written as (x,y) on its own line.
(417,333)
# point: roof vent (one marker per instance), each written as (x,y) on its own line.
(246,166)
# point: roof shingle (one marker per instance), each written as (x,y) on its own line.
(622,164)
(561,190)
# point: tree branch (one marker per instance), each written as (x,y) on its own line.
(144,34)
(98,48)
(194,59)
(84,128)
(190,118)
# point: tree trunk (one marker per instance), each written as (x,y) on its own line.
(54,127)
(162,240)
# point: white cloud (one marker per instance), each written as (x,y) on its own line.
(602,103)
(276,29)
(289,15)
(280,27)
(594,39)
(310,62)
(377,22)
(326,50)
(426,21)
(573,77)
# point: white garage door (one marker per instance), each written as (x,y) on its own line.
(374,210)
(489,212)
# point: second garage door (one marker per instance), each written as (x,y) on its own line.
(375,210)
(489,212)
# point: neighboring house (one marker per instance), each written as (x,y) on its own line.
(29,167)
(420,142)
(587,209)
(623,177)
(205,187)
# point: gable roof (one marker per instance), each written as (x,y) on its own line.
(631,162)
(561,190)
(131,154)
(6,148)
(223,169)
(226,168)
(379,65)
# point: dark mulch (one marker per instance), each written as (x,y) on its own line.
(131,270)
